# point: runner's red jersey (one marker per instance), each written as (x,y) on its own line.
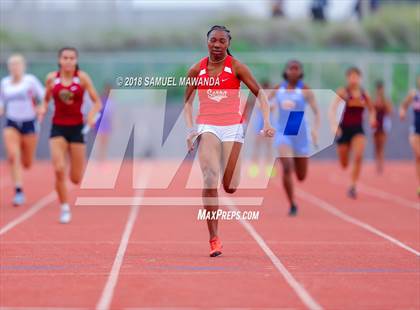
(219,104)
(353,111)
(68,101)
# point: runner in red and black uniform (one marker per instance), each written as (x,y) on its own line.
(350,133)
(220,127)
(413,98)
(383,108)
(66,87)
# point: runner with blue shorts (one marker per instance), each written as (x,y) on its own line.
(293,133)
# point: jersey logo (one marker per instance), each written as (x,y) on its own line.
(216,95)
(73,88)
(288,104)
(66,96)
(224,80)
(228,70)
(293,123)
(202,71)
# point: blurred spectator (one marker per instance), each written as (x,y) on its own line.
(317,10)
(277,8)
(363,7)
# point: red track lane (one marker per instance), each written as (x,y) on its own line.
(38,183)
(342,265)
(399,179)
(47,264)
(166,264)
(396,220)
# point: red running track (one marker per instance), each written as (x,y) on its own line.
(337,254)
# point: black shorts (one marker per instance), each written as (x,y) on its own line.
(417,122)
(347,134)
(24,128)
(72,133)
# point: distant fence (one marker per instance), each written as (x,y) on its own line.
(322,70)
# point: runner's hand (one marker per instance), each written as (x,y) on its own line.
(372,122)
(268,131)
(41,111)
(191,136)
(91,120)
(314,134)
(403,114)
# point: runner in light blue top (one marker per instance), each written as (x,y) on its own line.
(293,134)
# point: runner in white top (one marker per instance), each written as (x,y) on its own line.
(19,93)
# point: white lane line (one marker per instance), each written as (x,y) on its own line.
(375,192)
(105,300)
(304,296)
(388,196)
(108,291)
(43,202)
(331,209)
(162,201)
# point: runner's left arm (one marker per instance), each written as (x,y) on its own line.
(38,89)
(405,104)
(96,101)
(310,98)
(244,74)
(188,107)
(1,99)
(372,111)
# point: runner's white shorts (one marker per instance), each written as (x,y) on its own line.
(224,133)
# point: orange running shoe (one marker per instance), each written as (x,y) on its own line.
(215,247)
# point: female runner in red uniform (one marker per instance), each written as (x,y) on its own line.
(66,87)
(350,133)
(220,127)
(383,108)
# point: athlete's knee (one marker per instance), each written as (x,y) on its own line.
(12,157)
(344,162)
(287,170)
(27,163)
(210,178)
(59,170)
(209,192)
(417,155)
(230,185)
(229,189)
(76,178)
(301,176)
(358,158)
